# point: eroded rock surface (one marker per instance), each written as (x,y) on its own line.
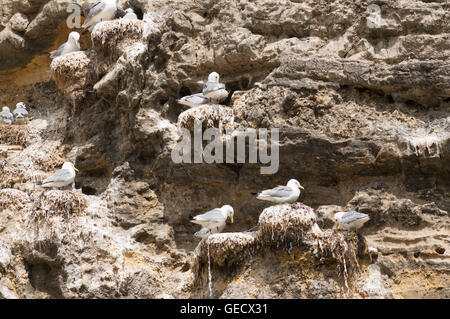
(362,104)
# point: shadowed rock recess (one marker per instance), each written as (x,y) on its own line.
(363,111)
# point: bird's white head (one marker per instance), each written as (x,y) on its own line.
(75,37)
(21,105)
(69,165)
(213,77)
(5,109)
(337,217)
(230,212)
(294,183)
(129,10)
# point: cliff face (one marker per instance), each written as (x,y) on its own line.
(362,103)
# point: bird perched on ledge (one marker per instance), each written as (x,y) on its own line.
(61,178)
(6,117)
(213,221)
(213,89)
(282,194)
(213,92)
(103,10)
(20,114)
(71,45)
(350,220)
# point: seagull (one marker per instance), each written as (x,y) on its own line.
(71,45)
(350,220)
(193,100)
(213,90)
(214,218)
(20,113)
(130,15)
(61,178)
(6,116)
(282,194)
(103,10)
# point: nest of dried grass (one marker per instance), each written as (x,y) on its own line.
(116,35)
(14,135)
(33,159)
(13,199)
(59,203)
(227,249)
(210,116)
(344,248)
(280,225)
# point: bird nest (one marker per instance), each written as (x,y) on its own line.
(14,134)
(70,72)
(344,248)
(59,203)
(209,116)
(13,199)
(286,224)
(34,158)
(226,248)
(116,35)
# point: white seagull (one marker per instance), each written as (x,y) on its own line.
(6,116)
(215,217)
(193,100)
(213,89)
(130,15)
(350,220)
(20,113)
(282,194)
(103,10)
(61,178)
(71,45)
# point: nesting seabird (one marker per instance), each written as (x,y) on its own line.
(61,178)
(103,10)
(215,217)
(213,89)
(6,117)
(130,15)
(282,194)
(350,220)
(71,45)
(20,113)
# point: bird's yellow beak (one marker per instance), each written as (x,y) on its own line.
(301,187)
(76,170)
(231,218)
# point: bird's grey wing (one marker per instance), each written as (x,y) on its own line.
(350,217)
(213,216)
(61,175)
(279,191)
(95,9)
(210,86)
(58,51)
(198,98)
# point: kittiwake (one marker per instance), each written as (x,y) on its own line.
(6,117)
(282,194)
(61,178)
(20,114)
(213,90)
(350,220)
(71,45)
(215,217)
(130,15)
(103,10)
